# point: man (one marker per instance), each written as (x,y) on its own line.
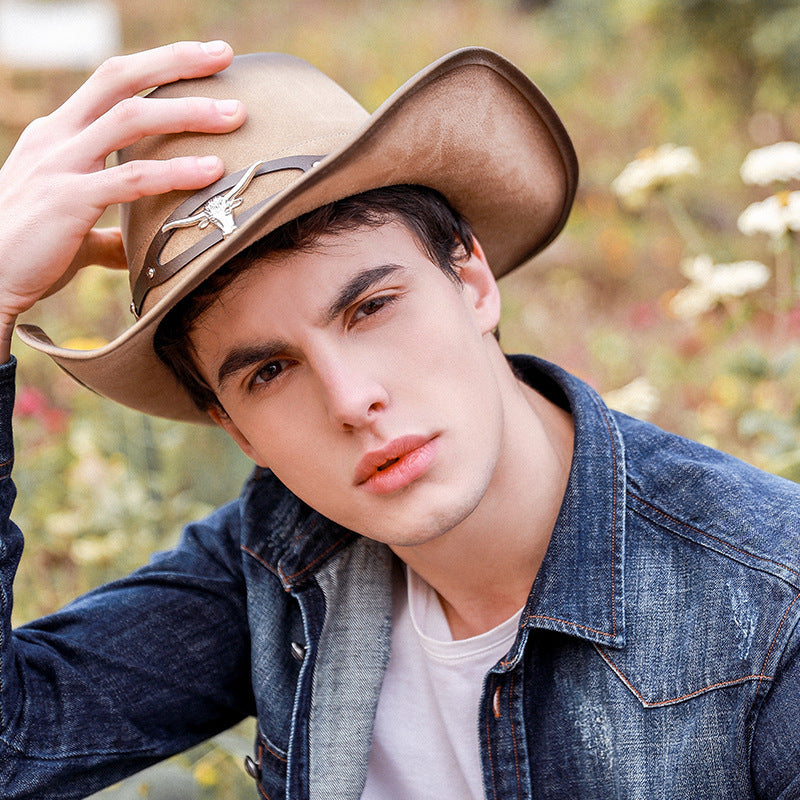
(452,574)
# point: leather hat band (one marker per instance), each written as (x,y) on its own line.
(210,207)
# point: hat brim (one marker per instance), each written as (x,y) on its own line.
(470,125)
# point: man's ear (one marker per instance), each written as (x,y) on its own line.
(220,418)
(480,288)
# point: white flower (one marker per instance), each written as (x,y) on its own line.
(775,216)
(711,283)
(692,301)
(637,398)
(777,162)
(652,170)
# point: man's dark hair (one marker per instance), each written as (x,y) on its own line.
(443,233)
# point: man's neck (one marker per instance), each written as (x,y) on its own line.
(483,568)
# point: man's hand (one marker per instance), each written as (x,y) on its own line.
(54,186)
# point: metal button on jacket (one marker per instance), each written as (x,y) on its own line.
(298,651)
(252,769)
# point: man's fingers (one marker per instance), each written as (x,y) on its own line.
(101,247)
(135,117)
(134,179)
(124,76)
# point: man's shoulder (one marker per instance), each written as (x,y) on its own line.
(713,499)
(712,571)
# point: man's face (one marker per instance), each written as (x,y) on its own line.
(364,378)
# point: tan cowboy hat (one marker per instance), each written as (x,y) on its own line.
(470,125)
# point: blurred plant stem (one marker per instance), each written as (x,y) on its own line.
(684,223)
(787,273)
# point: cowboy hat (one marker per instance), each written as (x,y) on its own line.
(470,125)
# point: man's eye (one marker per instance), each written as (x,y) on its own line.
(371,306)
(269,372)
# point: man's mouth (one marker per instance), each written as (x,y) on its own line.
(397,452)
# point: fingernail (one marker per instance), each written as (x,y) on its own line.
(227,107)
(216,48)
(208,163)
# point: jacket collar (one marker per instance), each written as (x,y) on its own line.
(579,588)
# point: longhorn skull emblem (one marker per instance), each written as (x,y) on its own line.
(219,209)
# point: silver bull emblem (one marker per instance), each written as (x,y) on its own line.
(219,209)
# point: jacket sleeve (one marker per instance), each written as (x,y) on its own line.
(128,674)
(775,757)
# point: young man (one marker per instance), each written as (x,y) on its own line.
(453,574)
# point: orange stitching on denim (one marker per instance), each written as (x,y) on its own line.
(489,748)
(715,538)
(613,524)
(258,558)
(320,557)
(513,731)
(261,770)
(274,752)
(775,637)
(308,567)
(566,622)
(649,704)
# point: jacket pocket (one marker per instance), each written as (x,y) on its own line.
(268,769)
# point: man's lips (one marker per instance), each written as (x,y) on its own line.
(378,461)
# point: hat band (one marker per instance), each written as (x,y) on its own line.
(212,206)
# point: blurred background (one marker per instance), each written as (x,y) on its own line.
(659,293)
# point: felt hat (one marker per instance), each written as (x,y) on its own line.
(470,125)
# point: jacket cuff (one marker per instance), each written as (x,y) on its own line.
(8,373)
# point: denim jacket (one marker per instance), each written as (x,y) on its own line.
(658,655)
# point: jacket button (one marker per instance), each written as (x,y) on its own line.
(251,768)
(298,651)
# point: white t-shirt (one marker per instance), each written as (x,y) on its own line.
(425,741)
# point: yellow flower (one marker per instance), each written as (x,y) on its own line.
(206,774)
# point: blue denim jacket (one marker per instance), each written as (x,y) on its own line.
(658,655)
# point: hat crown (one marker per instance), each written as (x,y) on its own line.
(292,109)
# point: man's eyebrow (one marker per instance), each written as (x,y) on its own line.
(243,357)
(358,284)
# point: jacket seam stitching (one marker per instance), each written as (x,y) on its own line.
(265,746)
(322,556)
(258,558)
(672,700)
(775,637)
(262,792)
(755,694)
(261,770)
(513,732)
(613,522)
(489,745)
(713,537)
(565,622)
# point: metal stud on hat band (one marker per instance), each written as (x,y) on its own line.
(213,205)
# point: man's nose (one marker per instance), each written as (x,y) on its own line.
(353,392)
